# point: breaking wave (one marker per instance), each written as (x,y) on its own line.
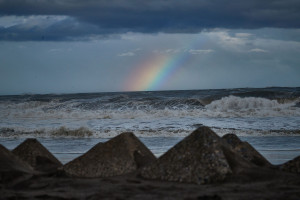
(63,132)
(84,132)
(150,114)
(231,106)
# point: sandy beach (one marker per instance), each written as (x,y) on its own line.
(131,187)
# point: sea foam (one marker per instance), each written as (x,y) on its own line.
(149,114)
(230,106)
(233,106)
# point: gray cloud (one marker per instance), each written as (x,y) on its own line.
(45,67)
(91,18)
(127,54)
(200,51)
(257,50)
(51,28)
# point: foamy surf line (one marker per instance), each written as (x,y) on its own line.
(245,111)
(84,132)
(277,149)
(127,108)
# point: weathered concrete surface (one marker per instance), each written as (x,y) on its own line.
(11,167)
(35,154)
(202,157)
(292,166)
(120,155)
(246,150)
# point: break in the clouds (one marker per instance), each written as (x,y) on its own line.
(24,20)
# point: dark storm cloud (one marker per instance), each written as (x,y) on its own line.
(57,30)
(171,16)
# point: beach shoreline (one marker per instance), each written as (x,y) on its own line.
(132,187)
(250,175)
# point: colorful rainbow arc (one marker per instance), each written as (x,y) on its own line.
(152,74)
(155,72)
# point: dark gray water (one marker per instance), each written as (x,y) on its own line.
(151,114)
(70,124)
(277,149)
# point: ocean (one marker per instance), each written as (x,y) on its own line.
(70,124)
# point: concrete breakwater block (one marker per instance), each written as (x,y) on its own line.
(292,166)
(245,150)
(202,157)
(122,154)
(35,154)
(11,167)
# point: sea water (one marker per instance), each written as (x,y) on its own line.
(70,124)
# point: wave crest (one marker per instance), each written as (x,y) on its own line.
(84,132)
(253,106)
(65,132)
(230,106)
(238,103)
(62,131)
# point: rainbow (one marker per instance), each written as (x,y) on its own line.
(153,73)
(156,72)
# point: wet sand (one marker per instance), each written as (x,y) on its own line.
(235,171)
(133,187)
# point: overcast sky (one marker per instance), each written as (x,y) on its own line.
(66,46)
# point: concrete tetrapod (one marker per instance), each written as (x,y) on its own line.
(122,154)
(202,157)
(35,154)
